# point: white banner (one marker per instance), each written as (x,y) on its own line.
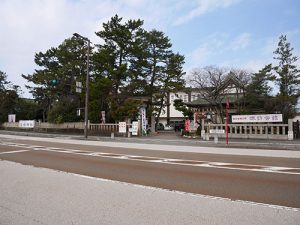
(143,120)
(263,118)
(122,127)
(26,123)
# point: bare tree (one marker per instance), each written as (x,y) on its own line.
(243,78)
(242,75)
(209,82)
(214,85)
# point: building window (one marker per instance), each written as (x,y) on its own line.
(172,98)
(185,98)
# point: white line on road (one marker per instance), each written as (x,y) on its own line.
(172,148)
(10,152)
(183,162)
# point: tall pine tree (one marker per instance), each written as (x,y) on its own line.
(258,91)
(287,78)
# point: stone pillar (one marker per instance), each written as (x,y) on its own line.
(261,130)
(290,130)
(272,130)
(152,124)
(202,129)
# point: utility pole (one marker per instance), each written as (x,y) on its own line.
(87,86)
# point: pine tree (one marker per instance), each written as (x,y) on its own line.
(8,97)
(258,91)
(287,77)
(54,80)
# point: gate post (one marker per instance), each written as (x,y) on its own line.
(290,130)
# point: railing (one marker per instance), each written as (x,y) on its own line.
(259,131)
(10,125)
(107,129)
(47,127)
(76,125)
(250,131)
(94,129)
(38,125)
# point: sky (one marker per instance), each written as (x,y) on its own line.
(231,33)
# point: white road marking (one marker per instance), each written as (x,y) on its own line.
(184,162)
(277,168)
(53,148)
(219,163)
(10,152)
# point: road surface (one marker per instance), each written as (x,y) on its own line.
(259,179)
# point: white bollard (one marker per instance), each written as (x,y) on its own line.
(112,135)
(203,134)
(216,139)
(290,135)
(207,137)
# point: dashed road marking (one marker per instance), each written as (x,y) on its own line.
(11,152)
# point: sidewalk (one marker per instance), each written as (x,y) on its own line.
(34,196)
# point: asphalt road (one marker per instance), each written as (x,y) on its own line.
(269,180)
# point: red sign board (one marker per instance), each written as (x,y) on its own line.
(187,125)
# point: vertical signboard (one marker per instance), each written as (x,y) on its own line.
(143,120)
(135,128)
(122,127)
(226,127)
(187,125)
(12,118)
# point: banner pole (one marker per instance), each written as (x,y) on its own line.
(226,128)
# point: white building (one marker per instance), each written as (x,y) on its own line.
(169,114)
(231,89)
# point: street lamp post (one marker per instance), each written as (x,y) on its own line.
(86,108)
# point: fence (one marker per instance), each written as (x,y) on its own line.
(107,129)
(259,131)
(94,129)
(250,131)
(47,127)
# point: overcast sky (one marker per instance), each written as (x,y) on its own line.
(234,33)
